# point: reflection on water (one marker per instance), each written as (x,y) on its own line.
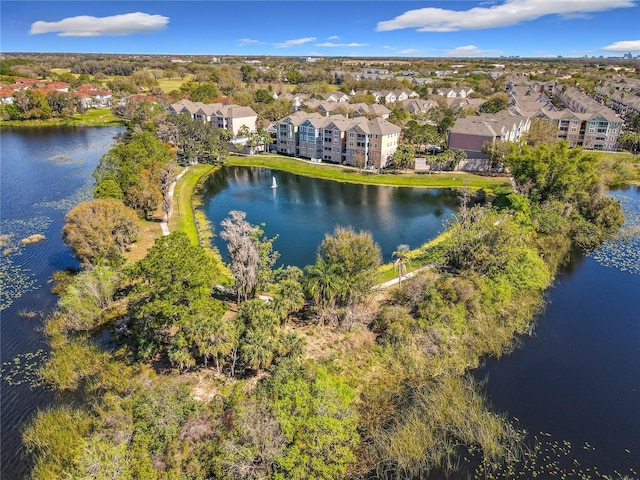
(302,210)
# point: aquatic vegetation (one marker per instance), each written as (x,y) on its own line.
(623,252)
(4,240)
(548,458)
(24,368)
(83,194)
(31,239)
(16,280)
(65,160)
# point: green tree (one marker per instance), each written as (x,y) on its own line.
(249,73)
(137,168)
(205,93)
(108,189)
(554,172)
(172,284)
(288,298)
(358,256)
(317,417)
(404,156)
(495,103)
(631,141)
(541,131)
(324,282)
(61,103)
(263,96)
(100,230)
(38,106)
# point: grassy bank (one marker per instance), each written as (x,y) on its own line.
(183,218)
(99,117)
(492,185)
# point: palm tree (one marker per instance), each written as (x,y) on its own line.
(323,281)
(402,260)
(257,350)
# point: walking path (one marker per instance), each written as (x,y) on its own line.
(393,281)
(165,221)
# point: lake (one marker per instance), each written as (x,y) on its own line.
(45,173)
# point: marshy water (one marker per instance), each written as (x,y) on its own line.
(45,172)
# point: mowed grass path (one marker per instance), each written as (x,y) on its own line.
(491,185)
(183,218)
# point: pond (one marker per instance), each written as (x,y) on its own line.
(302,210)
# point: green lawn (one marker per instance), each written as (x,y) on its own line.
(95,117)
(492,185)
(183,215)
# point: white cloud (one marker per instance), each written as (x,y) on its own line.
(470,51)
(334,37)
(247,41)
(86,26)
(510,12)
(295,41)
(409,51)
(331,44)
(623,46)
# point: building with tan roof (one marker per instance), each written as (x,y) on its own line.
(337,139)
(472,132)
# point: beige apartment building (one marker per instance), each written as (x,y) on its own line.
(337,139)
(218,115)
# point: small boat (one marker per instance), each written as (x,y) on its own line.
(273,183)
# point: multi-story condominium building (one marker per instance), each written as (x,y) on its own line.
(337,139)
(595,131)
(583,123)
(472,132)
(218,115)
(375,141)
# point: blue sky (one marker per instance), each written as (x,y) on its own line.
(387,28)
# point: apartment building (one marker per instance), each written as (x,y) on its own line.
(337,139)
(594,131)
(218,115)
(472,132)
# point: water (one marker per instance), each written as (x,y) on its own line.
(44,173)
(302,210)
(578,378)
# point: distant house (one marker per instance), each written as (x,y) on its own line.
(6,96)
(362,109)
(461,92)
(91,96)
(336,97)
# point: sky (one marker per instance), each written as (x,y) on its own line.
(359,28)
